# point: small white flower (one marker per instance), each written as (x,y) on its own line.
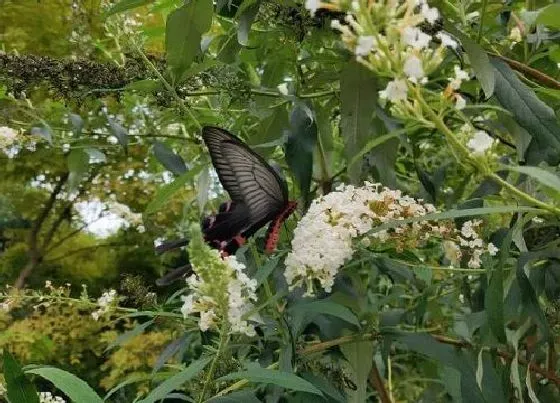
(312,5)
(7,136)
(48,397)
(65,148)
(431,14)
(460,76)
(515,34)
(447,40)
(365,45)
(460,102)
(413,68)
(283,88)
(396,91)
(492,249)
(480,142)
(414,37)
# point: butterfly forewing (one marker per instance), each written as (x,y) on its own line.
(246,176)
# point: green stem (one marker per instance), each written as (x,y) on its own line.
(224,337)
(482,12)
(167,86)
(481,166)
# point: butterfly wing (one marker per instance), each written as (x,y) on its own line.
(246,176)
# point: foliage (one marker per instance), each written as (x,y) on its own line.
(441,286)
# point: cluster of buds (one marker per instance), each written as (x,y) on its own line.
(400,40)
(106,302)
(220,291)
(324,238)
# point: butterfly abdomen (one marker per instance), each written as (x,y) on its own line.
(273,232)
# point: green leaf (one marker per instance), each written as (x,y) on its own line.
(358,95)
(300,146)
(271,128)
(326,307)
(246,19)
(183,33)
(43,131)
(77,123)
(119,132)
(529,299)
(240,396)
(145,86)
(491,384)
(78,166)
(374,142)
(96,155)
(549,16)
(494,296)
(165,192)
(263,272)
(171,161)
(19,388)
(125,5)
(531,113)
(447,355)
(229,47)
(130,334)
(324,386)
(284,379)
(72,386)
(176,381)
(479,59)
(360,357)
(545,177)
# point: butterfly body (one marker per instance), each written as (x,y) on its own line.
(258,195)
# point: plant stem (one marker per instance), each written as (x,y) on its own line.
(481,166)
(167,86)
(224,337)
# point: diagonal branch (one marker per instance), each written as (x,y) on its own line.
(34,253)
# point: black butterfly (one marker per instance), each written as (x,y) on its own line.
(258,196)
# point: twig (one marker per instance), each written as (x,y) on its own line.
(536,74)
(377,382)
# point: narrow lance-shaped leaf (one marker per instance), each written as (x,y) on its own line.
(19,388)
(530,113)
(119,132)
(300,146)
(494,297)
(358,94)
(164,194)
(78,165)
(72,386)
(176,381)
(184,29)
(479,59)
(170,160)
(284,379)
(246,18)
(125,5)
(360,357)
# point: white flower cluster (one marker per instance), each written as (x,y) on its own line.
(48,397)
(478,141)
(105,302)
(386,37)
(240,292)
(8,141)
(323,239)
